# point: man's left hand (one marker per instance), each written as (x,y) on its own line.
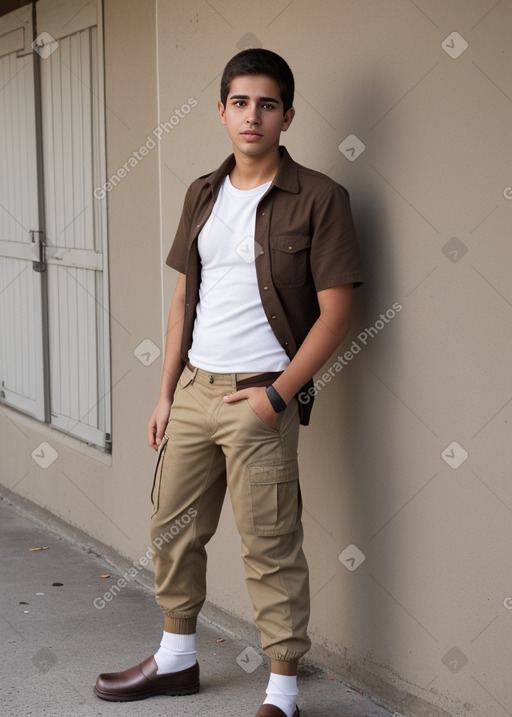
(258,401)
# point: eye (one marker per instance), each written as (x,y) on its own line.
(267,106)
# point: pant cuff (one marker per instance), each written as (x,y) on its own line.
(180,625)
(278,653)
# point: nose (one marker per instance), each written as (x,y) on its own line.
(253,114)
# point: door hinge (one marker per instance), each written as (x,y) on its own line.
(38,250)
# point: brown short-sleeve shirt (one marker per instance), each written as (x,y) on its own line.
(305,242)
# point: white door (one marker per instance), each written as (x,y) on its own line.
(75,327)
(21,338)
(73,151)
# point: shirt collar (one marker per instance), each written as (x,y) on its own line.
(286,177)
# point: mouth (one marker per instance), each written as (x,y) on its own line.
(251,134)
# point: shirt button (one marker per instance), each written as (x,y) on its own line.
(265,288)
(261,252)
(274,316)
(262,214)
(290,248)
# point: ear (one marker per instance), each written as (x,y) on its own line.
(287,118)
(222,112)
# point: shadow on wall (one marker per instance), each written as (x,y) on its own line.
(368,458)
(368,426)
(351,434)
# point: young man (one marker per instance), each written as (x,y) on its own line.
(267,259)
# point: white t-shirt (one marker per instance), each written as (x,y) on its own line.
(231,330)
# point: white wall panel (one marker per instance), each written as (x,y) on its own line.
(75,225)
(21,369)
(72,126)
(67,127)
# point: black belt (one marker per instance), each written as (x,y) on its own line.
(259,379)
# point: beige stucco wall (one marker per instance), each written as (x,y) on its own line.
(433,588)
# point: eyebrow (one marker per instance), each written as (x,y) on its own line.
(261,99)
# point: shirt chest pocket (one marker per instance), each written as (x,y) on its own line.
(290,259)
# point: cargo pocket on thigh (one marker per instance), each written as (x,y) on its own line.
(155,491)
(275,497)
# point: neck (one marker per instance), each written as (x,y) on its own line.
(250,172)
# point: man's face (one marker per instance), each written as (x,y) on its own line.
(253,114)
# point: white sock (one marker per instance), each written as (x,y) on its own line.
(176,653)
(282,692)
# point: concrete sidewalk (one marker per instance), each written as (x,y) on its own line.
(55,641)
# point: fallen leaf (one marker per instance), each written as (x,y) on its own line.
(106,575)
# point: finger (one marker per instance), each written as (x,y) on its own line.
(237,396)
(151,435)
(160,432)
(153,438)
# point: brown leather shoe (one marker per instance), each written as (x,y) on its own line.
(272,711)
(140,682)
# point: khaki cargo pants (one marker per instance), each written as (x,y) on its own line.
(210,445)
